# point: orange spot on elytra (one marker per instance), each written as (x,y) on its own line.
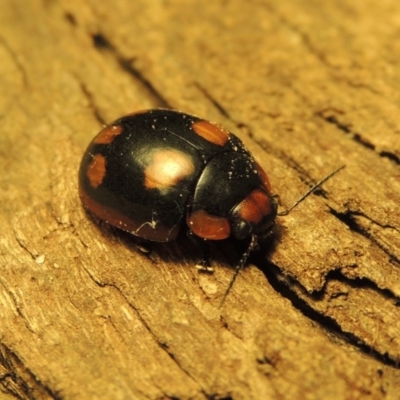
(157,232)
(167,168)
(107,134)
(96,170)
(208,226)
(255,206)
(211,132)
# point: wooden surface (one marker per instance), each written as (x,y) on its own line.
(308,86)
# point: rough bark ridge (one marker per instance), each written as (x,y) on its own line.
(308,86)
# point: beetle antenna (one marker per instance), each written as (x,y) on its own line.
(241,264)
(305,195)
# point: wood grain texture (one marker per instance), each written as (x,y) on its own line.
(308,86)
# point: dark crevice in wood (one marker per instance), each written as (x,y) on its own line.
(165,347)
(266,360)
(22,244)
(331,119)
(16,303)
(103,44)
(70,18)
(358,283)
(348,219)
(282,284)
(222,110)
(392,157)
(357,137)
(92,104)
(19,381)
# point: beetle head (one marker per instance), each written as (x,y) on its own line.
(255,215)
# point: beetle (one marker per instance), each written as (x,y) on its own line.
(155,172)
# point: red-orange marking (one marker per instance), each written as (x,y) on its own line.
(158,232)
(255,206)
(211,132)
(96,170)
(167,168)
(208,226)
(107,134)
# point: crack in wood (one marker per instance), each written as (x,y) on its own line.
(284,284)
(17,306)
(160,343)
(19,381)
(92,104)
(391,156)
(17,63)
(24,246)
(103,44)
(222,110)
(348,219)
(70,18)
(357,137)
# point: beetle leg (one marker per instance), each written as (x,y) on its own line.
(143,247)
(205,264)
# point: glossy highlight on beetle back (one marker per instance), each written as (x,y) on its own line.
(167,168)
(155,172)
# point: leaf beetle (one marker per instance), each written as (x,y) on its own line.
(153,172)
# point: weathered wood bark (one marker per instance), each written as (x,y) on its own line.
(308,86)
